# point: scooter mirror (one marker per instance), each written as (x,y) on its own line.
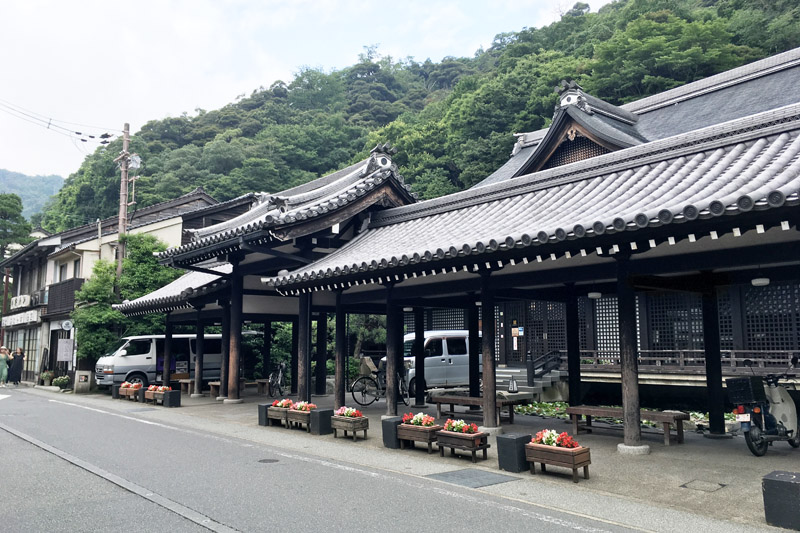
(747,362)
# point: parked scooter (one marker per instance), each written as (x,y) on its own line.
(765,409)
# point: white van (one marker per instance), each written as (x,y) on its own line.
(446,359)
(140,359)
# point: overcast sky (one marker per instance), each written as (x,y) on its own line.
(91,66)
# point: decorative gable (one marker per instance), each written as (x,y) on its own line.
(583,127)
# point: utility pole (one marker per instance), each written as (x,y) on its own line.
(123,160)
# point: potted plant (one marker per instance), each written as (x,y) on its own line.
(460,435)
(277,412)
(549,447)
(300,413)
(418,428)
(46,377)
(62,382)
(349,419)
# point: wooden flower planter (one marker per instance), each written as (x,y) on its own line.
(129,393)
(298,418)
(573,458)
(276,416)
(471,442)
(350,424)
(409,433)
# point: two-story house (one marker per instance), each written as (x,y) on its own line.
(45,274)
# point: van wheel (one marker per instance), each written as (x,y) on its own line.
(138,378)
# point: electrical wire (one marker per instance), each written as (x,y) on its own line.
(55,125)
(45,117)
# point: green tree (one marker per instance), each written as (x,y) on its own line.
(98,325)
(13,227)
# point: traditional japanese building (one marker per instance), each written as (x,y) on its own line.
(622,235)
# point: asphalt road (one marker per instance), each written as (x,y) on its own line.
(68,467)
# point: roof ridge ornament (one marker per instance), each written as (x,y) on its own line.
(570,93)
(380,158)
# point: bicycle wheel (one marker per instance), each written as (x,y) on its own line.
(365,391)
(403,391)
(281,383)
(273,387)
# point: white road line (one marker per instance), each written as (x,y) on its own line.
(173,506)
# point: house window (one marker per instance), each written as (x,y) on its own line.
(76,268)
(62,272)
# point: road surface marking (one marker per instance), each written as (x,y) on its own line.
(162,501)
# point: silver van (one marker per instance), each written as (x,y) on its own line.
(446,359)
(140,359)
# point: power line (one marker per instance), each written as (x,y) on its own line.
(54,125)
(45,117)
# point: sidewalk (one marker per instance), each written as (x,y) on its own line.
(701,481)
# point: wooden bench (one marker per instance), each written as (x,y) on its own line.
(508,400)
(665,417)
(214,387)
(262,386)
(187,386)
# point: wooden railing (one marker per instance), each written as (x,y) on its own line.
(687,361)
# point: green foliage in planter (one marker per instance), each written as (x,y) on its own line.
(61,381)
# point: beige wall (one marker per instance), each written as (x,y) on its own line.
(168,231)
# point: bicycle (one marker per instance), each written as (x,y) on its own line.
(368,389)
(277,381)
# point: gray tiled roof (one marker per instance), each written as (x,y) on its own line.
(327,194)
(737,93)
(176,294)
(745,164)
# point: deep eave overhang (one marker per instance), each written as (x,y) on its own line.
(775,130)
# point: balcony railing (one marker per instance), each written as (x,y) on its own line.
(61,298)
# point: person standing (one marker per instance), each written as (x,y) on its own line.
(5,359)
(15,373)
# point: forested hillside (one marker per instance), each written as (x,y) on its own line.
(451,121)
(33,190)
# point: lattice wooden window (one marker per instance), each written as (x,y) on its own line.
(606,320)
(725,310)
(675,321)
(571,151)
(772,317)
(448,319)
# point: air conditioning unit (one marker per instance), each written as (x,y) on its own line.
(20,301)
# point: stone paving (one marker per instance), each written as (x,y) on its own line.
(702,479)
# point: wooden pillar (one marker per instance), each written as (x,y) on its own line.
(294,362)
(473,326)
(304,348)
(573,347)
(711,345)
(489,381)
(166,372)
(419,356)
(226,349)
(629,362)
(200,350)
(237,281)
(340,386)
(320,372)
(392,315)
